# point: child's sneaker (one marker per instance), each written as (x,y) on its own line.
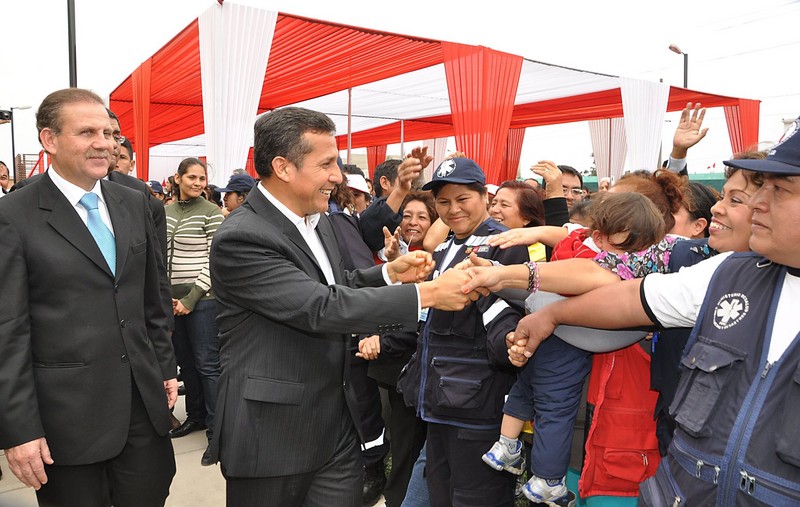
(500,458)
(552,492)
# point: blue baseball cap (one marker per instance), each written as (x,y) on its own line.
(783,158)
(461,171)
(156,186)
(239,183)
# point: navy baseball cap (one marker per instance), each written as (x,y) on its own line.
(239,183)
(156,186)
(461,171)
(783,158)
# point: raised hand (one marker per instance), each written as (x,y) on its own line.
(411,167)
(689,131)
(391,244)
(551,175)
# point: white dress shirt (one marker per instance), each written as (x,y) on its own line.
(74,193)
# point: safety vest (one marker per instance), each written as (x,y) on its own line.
(738,416)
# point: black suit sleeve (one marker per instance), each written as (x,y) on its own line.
(20,421)
(257,271)
(158,301)
(160,223)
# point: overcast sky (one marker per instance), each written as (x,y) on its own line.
(738,48)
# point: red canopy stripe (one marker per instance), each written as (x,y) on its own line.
(376,155)
(482,84)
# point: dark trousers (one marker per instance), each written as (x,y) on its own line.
(407,438)
(369,410)
(339,482)
(196,343)
(139,476)
(548,391)
(456,474)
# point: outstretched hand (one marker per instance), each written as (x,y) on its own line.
(514,237)
(448,294)
(473,261)
(412,267)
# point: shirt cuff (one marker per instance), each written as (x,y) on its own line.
(386,278)
(676,165)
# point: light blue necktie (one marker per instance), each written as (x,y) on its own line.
(102,235)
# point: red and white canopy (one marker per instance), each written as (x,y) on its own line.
(235,62)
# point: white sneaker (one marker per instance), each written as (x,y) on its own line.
(500,458)
(552,492)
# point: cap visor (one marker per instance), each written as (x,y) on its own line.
(444,181)
(764,166)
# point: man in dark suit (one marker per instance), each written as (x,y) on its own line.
(86,364)
(286,413)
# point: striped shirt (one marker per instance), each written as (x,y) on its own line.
(190,229)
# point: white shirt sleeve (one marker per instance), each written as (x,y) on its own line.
(675,299)
(676,165)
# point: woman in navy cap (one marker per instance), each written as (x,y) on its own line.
(460,373)
(236,191)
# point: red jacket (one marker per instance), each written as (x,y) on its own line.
(621,449)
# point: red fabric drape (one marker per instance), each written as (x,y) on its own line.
(141,118)
(512,155)
(482,84)
(742,120)
(376,155)
(250,166)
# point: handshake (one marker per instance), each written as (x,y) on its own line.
(450,291)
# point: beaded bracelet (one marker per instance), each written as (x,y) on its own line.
(533,277)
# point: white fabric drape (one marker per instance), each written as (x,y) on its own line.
(235,41)
(437,149)
(644,104)
(609,146)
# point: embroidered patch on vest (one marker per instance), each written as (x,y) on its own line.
(477,249)
(731,309)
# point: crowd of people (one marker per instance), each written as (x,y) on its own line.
(323,325)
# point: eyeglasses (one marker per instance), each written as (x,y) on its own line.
(576,192)
(118,138)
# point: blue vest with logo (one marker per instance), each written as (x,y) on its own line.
(455,377)
(737,440)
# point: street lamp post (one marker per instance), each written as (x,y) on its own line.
(675,49)
(13,148)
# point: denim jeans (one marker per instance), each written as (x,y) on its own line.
(196,343)
(417,492)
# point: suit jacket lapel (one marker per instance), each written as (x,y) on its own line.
(265,209)
(121,220)
(65,220)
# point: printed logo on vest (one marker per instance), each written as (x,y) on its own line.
(731,309)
